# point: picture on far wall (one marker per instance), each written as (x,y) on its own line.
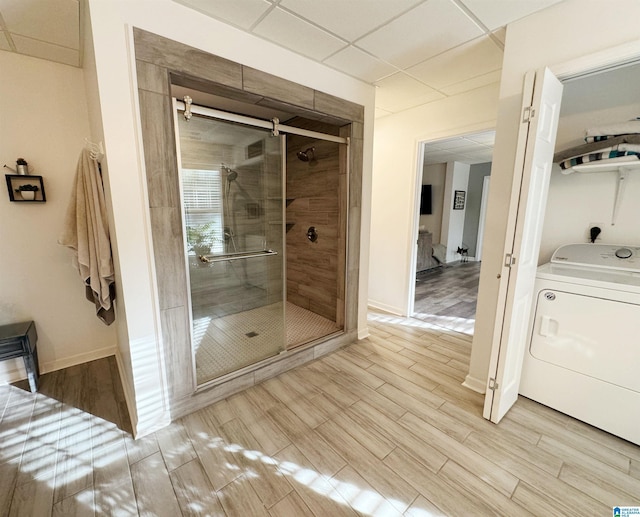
(458,199)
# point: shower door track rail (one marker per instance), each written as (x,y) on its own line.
(223,257)
(272,125)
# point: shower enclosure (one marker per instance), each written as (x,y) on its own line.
(233,204)
(237,207)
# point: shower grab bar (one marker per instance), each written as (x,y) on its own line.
(208,259)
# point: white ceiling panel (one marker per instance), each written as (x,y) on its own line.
(399,92)
(425,31)
(239,13)
(4,44)
(43,20)
(36,48)
(496,13)
(445,42)
(357,63)
(438,157)
(291,32)
(349,19)
(459,64)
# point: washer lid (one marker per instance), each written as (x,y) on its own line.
(607,256)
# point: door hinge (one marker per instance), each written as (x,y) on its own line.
(493,385)
(527,114)
(509,260)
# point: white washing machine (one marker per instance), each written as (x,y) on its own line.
(583,356)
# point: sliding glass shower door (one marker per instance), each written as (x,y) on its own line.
(233,204)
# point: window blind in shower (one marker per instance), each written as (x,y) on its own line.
(202,196)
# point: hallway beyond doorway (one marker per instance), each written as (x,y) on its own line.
(447,296)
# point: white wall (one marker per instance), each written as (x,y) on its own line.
(477,173)
(395,195)
(567,31)
(111,25)
(43,110)
(453,220)
(434,175)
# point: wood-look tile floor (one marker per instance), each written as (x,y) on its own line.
(381,427)
(446,296)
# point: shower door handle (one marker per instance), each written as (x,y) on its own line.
(208,259)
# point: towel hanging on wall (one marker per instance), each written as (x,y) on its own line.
(86,231)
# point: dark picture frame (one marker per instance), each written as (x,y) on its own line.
(458,199)
(16,181)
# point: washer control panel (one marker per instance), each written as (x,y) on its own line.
(609,256)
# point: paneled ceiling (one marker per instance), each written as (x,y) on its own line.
(413,51)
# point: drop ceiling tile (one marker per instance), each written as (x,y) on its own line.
(357,63)
(241,14)
(425,31)
(298,35)
(449,143)
(438,157)
(496,13)
(349,19)
(399,91)
(476,157)
(55,22)
(36,48)
(4,44)
(459,64)
(471,84)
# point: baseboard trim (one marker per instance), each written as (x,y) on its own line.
(66,362)
(387,308)
(19,373)
(474,384)
(363,333)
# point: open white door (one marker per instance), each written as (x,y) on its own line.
(534,156)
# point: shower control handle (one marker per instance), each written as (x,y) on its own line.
(312,234)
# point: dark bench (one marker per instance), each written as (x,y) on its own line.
(19,340)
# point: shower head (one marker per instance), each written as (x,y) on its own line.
(308,155)
(231,174)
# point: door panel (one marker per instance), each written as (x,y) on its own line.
(532,170)
(233,205)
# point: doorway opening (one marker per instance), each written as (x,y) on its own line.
(453,192)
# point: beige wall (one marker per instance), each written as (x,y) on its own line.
(43,110)
(567,31)
(396,176)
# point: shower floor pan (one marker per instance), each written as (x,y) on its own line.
(231,342)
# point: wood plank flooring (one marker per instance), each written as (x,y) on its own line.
(382,427)
(446,296)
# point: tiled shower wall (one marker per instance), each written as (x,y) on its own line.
(316,197)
